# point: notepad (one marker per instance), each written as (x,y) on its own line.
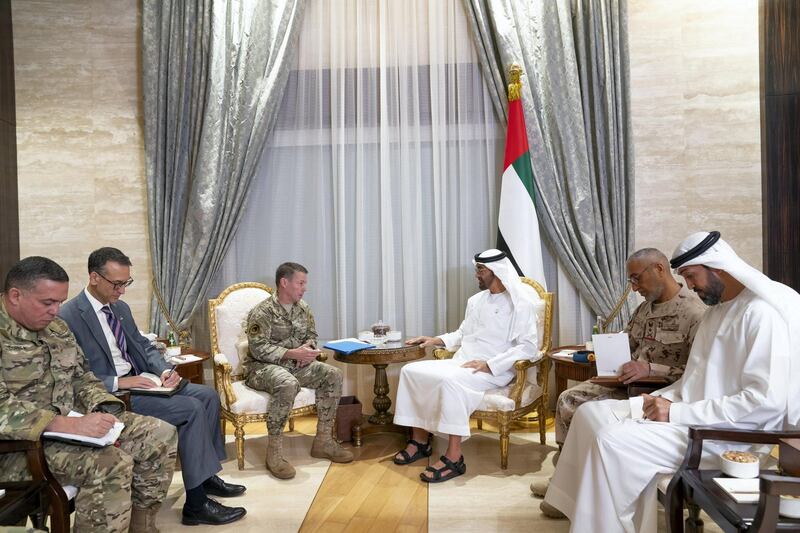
(348,346)
(185,358)
(741,490)
(158,390)
(82,440)
(611,350)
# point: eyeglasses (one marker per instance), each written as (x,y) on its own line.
(117,284)
(634,278)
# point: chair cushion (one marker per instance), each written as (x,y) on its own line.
(662,482)
(540,307)
(250,401)
(498,400)
(231,315)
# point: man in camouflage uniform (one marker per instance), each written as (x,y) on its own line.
(660,332)
(44,377)
(282,358)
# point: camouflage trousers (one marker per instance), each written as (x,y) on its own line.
(283,384)
(110,478)
(569,401)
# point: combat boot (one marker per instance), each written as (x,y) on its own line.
(143,520)
(325,447)
(276,464)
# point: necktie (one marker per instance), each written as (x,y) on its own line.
(119,335)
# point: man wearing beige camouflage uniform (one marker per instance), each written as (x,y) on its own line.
(660,332)
(43,378)
(282,356)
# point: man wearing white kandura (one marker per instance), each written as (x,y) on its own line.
(738,375)
(499,328)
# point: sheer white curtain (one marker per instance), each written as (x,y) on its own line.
(381,175)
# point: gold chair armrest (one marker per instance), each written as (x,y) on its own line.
(322,357)
(521,368)
(222,379)
(441,353)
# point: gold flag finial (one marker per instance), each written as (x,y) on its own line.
(514,83)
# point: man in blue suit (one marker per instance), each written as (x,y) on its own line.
(118,354)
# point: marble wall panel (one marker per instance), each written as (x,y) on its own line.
(79,134)
(696,126)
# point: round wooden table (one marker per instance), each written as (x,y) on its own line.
(380,357)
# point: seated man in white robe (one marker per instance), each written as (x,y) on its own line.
(737,376)
(499,328)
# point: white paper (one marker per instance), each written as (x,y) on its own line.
(611,350)
(109,438)
(564,354)
(157,381)
(185,358)
(637,407)
(741,490)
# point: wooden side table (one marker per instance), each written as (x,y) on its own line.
(193,371)
(380,358)
(566,370)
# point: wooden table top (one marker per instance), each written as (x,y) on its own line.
(390,352)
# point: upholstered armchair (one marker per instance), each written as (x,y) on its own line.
(527,392)
(241,404)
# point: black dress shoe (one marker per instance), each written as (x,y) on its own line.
(212,513)
(214,486)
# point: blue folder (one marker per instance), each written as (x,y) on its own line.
(348,346)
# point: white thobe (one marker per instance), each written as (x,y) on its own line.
(439,396)
(736,376)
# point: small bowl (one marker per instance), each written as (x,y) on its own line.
(740,469)
(366,336)
(790,507)
(394,335)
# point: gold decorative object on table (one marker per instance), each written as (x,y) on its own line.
(184,336)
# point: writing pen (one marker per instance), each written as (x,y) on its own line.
(171,370)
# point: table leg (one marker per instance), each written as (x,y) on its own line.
(382,402)
(561,385)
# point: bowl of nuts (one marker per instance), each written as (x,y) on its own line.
(790,506)
(740,464)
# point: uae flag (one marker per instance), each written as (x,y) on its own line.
(518,227)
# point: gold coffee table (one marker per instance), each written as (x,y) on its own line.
(380,358)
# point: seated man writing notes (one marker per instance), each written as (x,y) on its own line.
(737,375)
(499,328)
(43,378)
(660,332)
(118,354)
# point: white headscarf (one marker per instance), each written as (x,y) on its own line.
(782,297)
(523,297)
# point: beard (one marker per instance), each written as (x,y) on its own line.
(712,293)
(481,285)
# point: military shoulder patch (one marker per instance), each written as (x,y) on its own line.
(254,329)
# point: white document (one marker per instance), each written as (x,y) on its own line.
(109,438)
(611,350)
(564,354)
(741,490)
(185,358)
(637,407)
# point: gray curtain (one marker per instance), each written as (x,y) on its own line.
(574,55)
(213,76)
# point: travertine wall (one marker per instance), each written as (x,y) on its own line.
(695,107)
(696,125)
(79,135)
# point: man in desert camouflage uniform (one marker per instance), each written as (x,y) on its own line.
(660,332)
(282,358)
(43,378)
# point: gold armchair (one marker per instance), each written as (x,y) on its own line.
(520,398)
(241,404)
